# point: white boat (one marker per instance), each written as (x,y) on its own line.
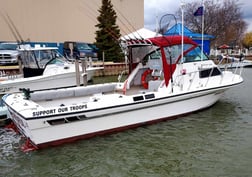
(43,68)
(160,86)
(227,62)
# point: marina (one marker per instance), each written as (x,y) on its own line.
(172,111)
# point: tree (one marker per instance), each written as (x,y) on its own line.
(247,40)
(108,33)
(222,19)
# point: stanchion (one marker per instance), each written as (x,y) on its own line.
(84,71)
(77,72)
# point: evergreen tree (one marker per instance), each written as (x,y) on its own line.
(108,33)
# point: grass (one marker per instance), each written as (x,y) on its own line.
(106,79)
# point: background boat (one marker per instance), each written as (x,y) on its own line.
(43,68)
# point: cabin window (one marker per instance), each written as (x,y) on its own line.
(139,53)
(29,59)
(209,72)
(138,98)
(149,96)
(155,55)
(44,56)
(154,60)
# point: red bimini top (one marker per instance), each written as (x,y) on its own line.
(164,41)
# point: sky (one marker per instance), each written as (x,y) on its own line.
(155,9)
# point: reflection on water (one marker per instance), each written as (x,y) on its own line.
(213,142)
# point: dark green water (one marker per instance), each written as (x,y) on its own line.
(214,142)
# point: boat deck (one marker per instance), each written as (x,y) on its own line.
(66,100)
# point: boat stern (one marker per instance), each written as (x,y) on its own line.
(12,102)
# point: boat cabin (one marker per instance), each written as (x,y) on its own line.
(159,57)
(35,59)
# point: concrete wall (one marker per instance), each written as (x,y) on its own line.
(62,20)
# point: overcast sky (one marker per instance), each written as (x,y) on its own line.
(158,8)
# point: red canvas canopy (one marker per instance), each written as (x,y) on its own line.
(171,40)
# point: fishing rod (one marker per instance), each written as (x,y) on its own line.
(94,13)
(15,28)
(10,27)
(118,39)
(124,25)
(123,41)
(112,33)
(15,32)
(129,24)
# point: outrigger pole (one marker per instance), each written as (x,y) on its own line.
(202,30)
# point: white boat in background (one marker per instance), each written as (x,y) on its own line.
(43,68)
(161,85)
(227,62)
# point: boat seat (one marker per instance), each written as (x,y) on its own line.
(154,85)
(94,89)
(156,73)
(52,94)
(72,92)
(156,67)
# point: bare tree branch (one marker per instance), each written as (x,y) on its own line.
(222,19)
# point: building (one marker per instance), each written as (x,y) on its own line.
(56,21)
(196,37)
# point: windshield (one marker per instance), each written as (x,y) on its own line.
(174,52)
(8,46)
(83,46)
(41,57)
(195,55)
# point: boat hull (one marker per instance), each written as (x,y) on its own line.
(171,88)
(67,79)
(120,118)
